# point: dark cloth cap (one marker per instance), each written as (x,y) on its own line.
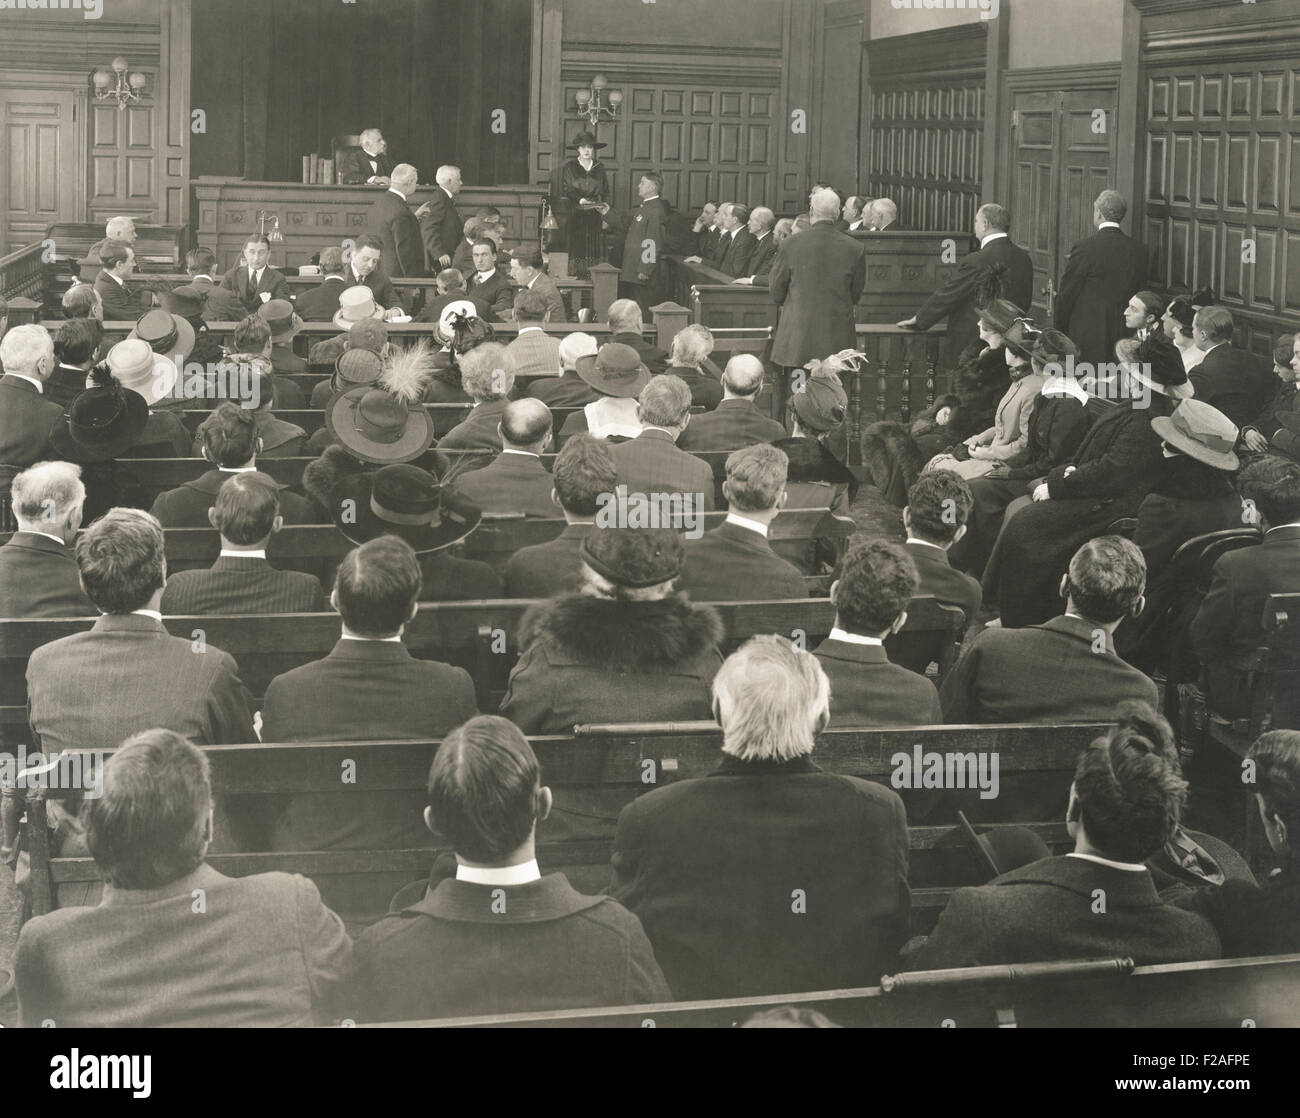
(634,557)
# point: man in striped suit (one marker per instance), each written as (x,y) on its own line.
(247,514)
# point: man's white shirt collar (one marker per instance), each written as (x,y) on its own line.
(525,453)
(57,539)
(521,874)
(114,276)
(39,386)
(532,281)
(854,638)
(149,613)
(744,522)
(650,199)
(990,237)
(375,640)
(525,329)
(1132,867)
(204,275)
(447,192)
(237,469)
(927,543)
(483,277)
(1109,225)
(394,190)
(231,553)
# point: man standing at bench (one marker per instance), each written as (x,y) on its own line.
(768,875)
(93,689)
(1098,901)
(498,937)
(174,942)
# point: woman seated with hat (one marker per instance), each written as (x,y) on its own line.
(1057,424)
(1177,322)
(1106,479)
(618,374)
(459,330)
(895,455)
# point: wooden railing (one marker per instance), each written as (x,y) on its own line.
(20,273)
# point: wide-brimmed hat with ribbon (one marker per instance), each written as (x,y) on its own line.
(1155,364)
(1000,314)
(405,501)
(355,305)
(1021,336)
(615,370)
(169,335)
(284,321)
(585,139)
(384,421)
(137,367)
(1200,431)
(102,423)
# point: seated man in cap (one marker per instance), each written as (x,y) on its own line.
(768,875)
(616,376)
(1065,670)
(369,335)
(231,443)
(255,282)
(736,421)
(488,282)
(568,390)
(264,951)
(526,273)
(516,481)
(686,357)
(369,687)
(128,670)
(247,515)
(876,582)
(38,571)
(652,463)
(1125,804)
(534,352)
(406,501)
(363,269)
(487,374)
(734,562)
(451,289)
(498,936)
(584,470)
(628,647)
(322,302)
(285,325)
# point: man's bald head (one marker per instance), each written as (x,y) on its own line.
(743,376)
(526,425)
(824,205)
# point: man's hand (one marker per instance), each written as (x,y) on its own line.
(445,260)
(1255,441)
(1041,493)
(907,323)
(379,180)
(423,210)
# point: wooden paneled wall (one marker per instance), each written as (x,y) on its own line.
(1221,148)
(927,105)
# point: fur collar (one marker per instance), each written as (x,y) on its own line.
(1187,479)
(811,461)
(644,636)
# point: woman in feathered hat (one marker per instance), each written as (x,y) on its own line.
(584,183)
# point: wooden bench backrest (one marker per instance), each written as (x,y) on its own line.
(1098,993)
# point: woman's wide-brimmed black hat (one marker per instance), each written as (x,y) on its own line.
(405,501)
(102,423)
(585,139)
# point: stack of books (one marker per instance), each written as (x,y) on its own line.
(316,170)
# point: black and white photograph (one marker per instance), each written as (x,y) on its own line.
(625,514)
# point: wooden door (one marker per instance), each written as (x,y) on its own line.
(39,185)
(1064,156)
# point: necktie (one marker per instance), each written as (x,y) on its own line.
(252,283)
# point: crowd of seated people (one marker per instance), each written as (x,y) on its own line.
(1048,507)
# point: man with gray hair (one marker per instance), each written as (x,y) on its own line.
(880,215)
(812,866)
(568,390)
(626,326)
(736,421)
(128,670)
(763,251)
(816,280)
(391,220)
(262,950)
(321,303)
(487,373)
(1102,273)
(687,356)
(120,228)
(1235,381)
(652,463)
(38,572)
(734,562)
(440,222)
(27,418)
(368,163)
(1001,269)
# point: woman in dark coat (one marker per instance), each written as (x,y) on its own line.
(1193,495)
(895,454)
(1115,467)
(1056,427)
(584,183)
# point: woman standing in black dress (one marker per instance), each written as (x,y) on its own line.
(584,183)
